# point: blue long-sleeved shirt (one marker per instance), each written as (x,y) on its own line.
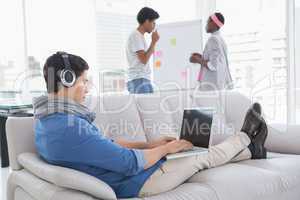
(71,141)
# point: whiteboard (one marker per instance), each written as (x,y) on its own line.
(171,66)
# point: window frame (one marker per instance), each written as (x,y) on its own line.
(291,62)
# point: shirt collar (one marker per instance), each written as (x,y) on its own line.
(216,32)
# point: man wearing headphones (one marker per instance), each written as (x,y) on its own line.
(65,135)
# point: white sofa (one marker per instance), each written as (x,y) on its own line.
(143,117)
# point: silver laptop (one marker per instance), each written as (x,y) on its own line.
(196,128)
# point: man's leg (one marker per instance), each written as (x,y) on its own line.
(140,86)
(145,87)
(132,86)
(244,155)
(175,172)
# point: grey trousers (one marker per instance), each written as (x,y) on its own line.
(175,172)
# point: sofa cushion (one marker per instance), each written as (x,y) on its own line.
(188,191)
(65,177)
(21,194)
(118,117)
(215,100)
(236,106)
(286,166)
(156,116)
(178,101)
(274,178)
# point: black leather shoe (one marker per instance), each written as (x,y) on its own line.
(257,145)
(252,120)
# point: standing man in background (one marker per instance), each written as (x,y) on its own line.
(214,73)
(138,53)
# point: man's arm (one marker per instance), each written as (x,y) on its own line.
(213,58)
(132,145)
(93,149)
(152,156)
(164,146)
(144,145)
(145,56)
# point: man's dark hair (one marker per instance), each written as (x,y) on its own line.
(145,14)
(220,17)
(55,64)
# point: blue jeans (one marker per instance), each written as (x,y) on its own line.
(139,86)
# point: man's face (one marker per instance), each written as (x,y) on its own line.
(210,26)
(80,89)
(149,25)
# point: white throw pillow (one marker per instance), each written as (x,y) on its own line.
(65,177)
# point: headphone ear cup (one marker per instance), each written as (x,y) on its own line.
(68,78)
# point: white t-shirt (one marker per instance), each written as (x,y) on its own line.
(137,69)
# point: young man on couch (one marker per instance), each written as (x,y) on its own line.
(66,136)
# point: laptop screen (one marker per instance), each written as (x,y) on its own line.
(196,126)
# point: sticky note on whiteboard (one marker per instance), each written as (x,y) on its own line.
(173,41)
(157,64)
(158,54)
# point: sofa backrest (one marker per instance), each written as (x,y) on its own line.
(230,108)
(118,117)
(161,112)
(136,117)
(20,138)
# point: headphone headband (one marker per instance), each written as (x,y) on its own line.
(65,56)
(67,75)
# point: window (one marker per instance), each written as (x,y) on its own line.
(180,10)
(297,58)
(97,30)
(58,25)
(256,38)
(115,20)
(12,57)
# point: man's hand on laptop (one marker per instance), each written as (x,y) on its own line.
(178,145)
(160,141)
(155,154)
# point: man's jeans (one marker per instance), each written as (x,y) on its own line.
(140,86)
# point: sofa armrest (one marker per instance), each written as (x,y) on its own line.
(284,138)
(65,177)
(39,189)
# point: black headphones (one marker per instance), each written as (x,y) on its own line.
(67,75)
